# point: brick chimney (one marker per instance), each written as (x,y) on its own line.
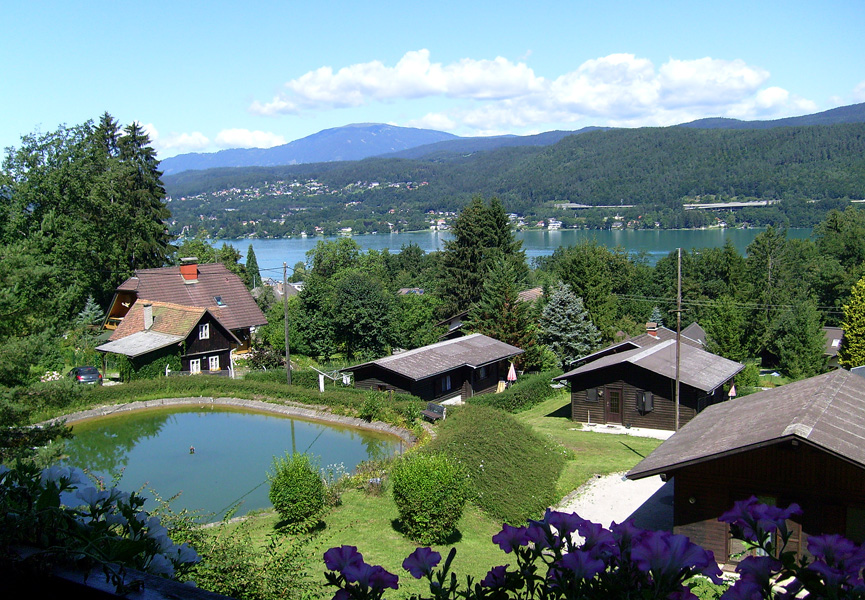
(189,269)
(148,316)
(652,329)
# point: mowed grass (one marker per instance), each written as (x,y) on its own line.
(371,522)
(593,453)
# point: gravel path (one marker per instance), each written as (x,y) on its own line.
(613,498)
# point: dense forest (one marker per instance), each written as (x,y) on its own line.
(811,169)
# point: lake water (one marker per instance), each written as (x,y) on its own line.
(270,254)
(233,452)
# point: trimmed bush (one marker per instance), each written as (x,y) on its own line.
(297,490)
(511,470)
(430,493)
(528,391)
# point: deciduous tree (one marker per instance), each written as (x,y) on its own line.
(852,351)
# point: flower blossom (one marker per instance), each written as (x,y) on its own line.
(337,559)
(421,562)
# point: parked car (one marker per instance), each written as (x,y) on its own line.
(86,375)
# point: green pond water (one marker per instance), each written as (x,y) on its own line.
(234,450)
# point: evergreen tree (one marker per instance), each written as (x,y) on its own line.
(799,341)
(657,316)
(482,235)
(501,314)
(724,323)
(252,273)
(565,326)
(852,351)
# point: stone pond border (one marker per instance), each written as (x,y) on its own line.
(288,410)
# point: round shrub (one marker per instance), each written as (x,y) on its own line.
(430,493)
(297,490)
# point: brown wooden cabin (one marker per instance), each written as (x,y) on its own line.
(631,385)
(803,442)
(151,330)
(210,286)
(454,369)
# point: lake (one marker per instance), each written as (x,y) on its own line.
(234,450)
(656,243)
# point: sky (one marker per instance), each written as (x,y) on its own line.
(205,76)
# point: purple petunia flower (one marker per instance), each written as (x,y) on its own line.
(422,561)
(368,576)
(598,540)
(511,538)
(341,594)
(744,589)
(626,533)
(337,559)
(580,564)
(758,568)
(564,523)
(539,534)
(663,553)
(495,578)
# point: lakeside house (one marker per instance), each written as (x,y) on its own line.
(190,284)
(452,370)
(632,383)
(154,330)
(803,442)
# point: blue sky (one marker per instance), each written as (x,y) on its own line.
(202,76)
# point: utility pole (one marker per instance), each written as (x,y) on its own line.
(285,306)
(678,331)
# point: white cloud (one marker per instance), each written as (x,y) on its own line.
(414,76)
(437,121)
(175,143)
(244,138)
(859,92)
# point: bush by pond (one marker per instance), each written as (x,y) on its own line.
(297,490)
(430,493)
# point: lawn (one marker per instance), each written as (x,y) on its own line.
(370,522)
(593,453)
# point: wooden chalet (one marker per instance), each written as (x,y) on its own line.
(803,442)
(632,383)
(151,330)
(210,286)
(454,369)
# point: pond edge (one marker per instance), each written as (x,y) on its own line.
(305,413)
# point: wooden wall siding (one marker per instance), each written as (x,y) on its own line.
(823,485)
(218,340)
(224,360)
(631,380)
(375,378)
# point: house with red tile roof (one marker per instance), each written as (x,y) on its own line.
(193,339)
(210,286)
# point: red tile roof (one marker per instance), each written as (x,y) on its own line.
(239,309)
(170,319)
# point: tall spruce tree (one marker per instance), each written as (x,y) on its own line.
(799,341)
(566,328)
(252,273)
(500,314)
(482,235)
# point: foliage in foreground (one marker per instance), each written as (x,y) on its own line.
(297,490)
(511,470)
(52,511)
(624,562)
(430,493)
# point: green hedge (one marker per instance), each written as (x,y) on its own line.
(430,493)
(528,391)
(512,471)
(297,490)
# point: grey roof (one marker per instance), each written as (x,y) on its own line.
(695,332)
(697,368)
(140,343)
(474,351)
(827,411)
(834,335)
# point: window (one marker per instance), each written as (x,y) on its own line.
(195,366)
(482,373)
(214,363)
(204,331)
(446,383)
(219,301)
(592,395)
(645,402)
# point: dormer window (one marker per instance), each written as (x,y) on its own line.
(204,331)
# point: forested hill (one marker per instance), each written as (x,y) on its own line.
(631,166)
(855,113)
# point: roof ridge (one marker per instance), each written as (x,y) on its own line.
(414,351)
(819,402)
(651,350)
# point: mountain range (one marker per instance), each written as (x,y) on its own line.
(365,140)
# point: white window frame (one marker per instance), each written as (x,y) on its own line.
(213,363)
(194,366)
(204,331)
